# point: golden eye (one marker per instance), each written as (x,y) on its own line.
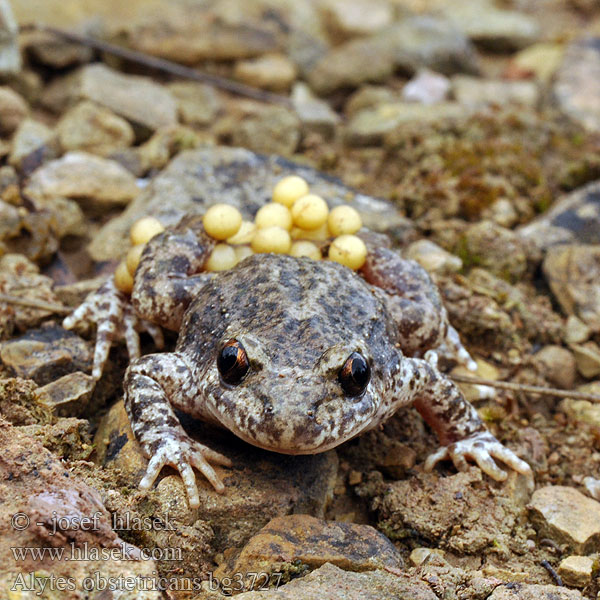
(232,362)
(354,375)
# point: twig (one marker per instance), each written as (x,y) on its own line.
(552,572)
(164,65)
(31,303)
(529,389)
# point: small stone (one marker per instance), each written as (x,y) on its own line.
(433,258)
(316,116)
(93,128)
(46,354)
(31,146)
(369,96)
(576,331)
(418,555)
(573,272)
(80,175)
(581,411)
(476,92)
(587,357)
(566,516)
(477,391)
(198,103)
(54,52)
(13,109)
(165,143)
(273,129)
(577,83)
(314,542)
(10,54)
(426,87)
(351,18)
(558,366)
(502,212)
(539,60)
(273,72)
(576,571)
(527,591)
(68,395)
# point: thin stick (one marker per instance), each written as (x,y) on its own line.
(31,303)
(529,389)
(164,65)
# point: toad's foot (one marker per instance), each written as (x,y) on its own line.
(111,312)
(482,447)
(452,349)
(183,453)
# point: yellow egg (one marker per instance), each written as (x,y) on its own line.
(310,212)
(316,235)
(123,278)
(348,250)
(344,220)
(222,221)
(222,258)
(144,230)
(241,252)
(274,214)
(289,189)
(244,234)
(272,239)
(132,259)
(304,248)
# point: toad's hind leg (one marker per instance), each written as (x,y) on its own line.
(415,303)
(154,385)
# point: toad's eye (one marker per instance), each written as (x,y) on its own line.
(232,362)
(354,375)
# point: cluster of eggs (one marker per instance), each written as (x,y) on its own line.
(296,222)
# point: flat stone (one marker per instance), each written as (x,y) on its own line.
(412,44)
(316,116)
(31,145)
(582,411)
(528,591)
(273,72)
(573,218)
(13,109)
(433,258)
(198,103)
(577,83)
(476,92)
(539,60)
(566,516)
(351,18)
(576,331)
(587,358)
(576,571)
(572,272)
(369,96)
(93,128)
(558,365)
(332,583)
(314,542)
(369,127)
(10,53)
(198,178)
(262,485)
(80,175)
(46,354)
(68,395)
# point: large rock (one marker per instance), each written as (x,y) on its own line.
(574,218)
(577,83)
(196,179)
(143,102)
(566,516)
(414,43)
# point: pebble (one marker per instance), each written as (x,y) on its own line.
(93,128)
(477,92)
(352,18)
(332,583)
(81,175)
(433,258)
(69,395)
(527,591)
(275,72)
(539,60)
(587,357)
(369,96)
(576,571)
(566,516)
(577,83)
(419,555)
(426,87)
(573,218)
(46,354)
(582,410)
(31,145)
(558,366)
(198,103)
(13,109)
(316,116)
(314,542)
(10,53)
(572,272)
(576,331)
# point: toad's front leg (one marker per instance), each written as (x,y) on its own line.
(456,422)
(154,385)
